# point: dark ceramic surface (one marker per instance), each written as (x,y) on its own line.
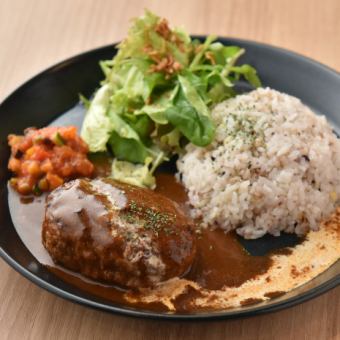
(51,93)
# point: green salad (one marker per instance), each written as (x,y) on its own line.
(157,96)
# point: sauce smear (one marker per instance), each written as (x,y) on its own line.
(222,261)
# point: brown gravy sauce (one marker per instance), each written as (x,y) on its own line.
(221,260)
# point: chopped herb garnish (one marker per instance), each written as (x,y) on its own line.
(149,219)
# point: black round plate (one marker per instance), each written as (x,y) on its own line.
(54,91)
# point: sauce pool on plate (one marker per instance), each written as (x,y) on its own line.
(220,261)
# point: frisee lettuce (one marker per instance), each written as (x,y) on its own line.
(157,95)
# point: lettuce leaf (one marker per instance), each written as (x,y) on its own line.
(190,115)
(196,127)
(137,174)
(249,73)
(192,96)
(125,141)
(97,127)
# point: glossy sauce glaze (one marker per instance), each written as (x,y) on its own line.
(118,233)
(220,260)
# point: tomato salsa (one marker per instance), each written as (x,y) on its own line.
(43,159)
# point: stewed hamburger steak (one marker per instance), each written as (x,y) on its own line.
(117,233)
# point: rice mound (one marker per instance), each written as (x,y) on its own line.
(274,166)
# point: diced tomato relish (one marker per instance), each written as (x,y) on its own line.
(43,159)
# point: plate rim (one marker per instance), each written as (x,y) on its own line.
(126,311)
(206,316)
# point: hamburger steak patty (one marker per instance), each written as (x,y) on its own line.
(117,233)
